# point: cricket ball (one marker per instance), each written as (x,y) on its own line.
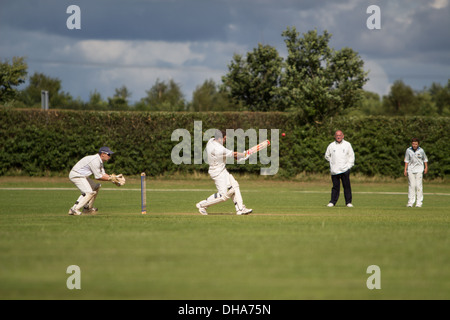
(283,134)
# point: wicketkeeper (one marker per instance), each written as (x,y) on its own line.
(79,175)
(226,184)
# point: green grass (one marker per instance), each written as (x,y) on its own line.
(292,247)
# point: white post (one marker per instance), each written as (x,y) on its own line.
(44,99)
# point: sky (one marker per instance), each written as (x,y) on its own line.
(134,43)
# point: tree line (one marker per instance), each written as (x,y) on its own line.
(314,80)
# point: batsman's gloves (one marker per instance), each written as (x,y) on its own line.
(246,156)
(118,180)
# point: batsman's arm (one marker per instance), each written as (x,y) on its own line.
(238,155)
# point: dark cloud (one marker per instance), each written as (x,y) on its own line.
(430,30)
(166,20)
(130,20)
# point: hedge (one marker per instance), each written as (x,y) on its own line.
(39,143)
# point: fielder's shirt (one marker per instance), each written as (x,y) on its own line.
(340,156)
(89,165)
(415,159)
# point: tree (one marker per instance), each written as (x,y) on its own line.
(440,95)
(314,79)
(425,104)
(120,99)
(31,95)
(401,100)
(254,81)
(319,80)
(11,76)
(370,104)
(163,96)
(208,97)
(96,102)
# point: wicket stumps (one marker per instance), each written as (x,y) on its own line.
(143,194)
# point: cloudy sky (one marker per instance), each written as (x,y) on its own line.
(136,42)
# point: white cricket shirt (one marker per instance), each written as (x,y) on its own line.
(340,156)
(217,155)
(89,165)
(415,159)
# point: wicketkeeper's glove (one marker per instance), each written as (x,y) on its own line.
(118,180)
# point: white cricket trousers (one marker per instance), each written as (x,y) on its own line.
(224,182)
(87,187)
(415,190)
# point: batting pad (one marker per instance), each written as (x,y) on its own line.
(213,199)
(85,198)
(236,196)
(90,203)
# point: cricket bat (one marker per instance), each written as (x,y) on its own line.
(255,149)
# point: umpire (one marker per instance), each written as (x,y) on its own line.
(341,157)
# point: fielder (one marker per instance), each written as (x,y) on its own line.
(79,175)
(416,164)
(226,184)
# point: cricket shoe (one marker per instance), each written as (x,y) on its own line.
(90,210)
(74,212)
(244,211)
(331,204)
(201,209)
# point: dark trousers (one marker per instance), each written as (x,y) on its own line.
(336,179)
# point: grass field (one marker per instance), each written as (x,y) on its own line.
(292,247)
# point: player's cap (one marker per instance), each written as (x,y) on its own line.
(105,150)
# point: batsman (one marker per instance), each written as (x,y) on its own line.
(226,184)
(80,176)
